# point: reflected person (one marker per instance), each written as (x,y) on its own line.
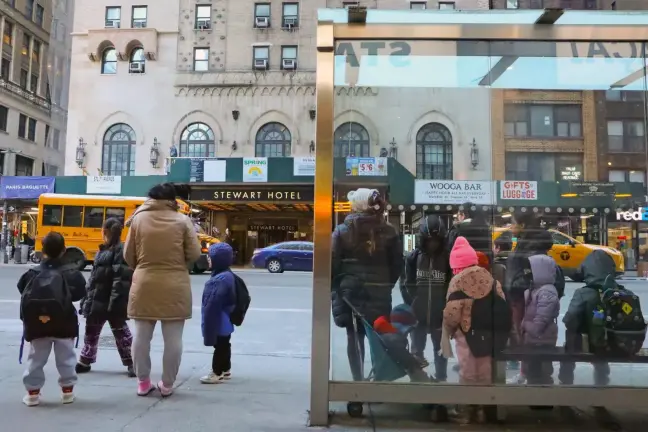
(367,262)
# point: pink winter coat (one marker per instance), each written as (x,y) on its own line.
(542,304)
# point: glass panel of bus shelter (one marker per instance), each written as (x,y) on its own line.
(537,147)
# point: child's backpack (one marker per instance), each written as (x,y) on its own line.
(617,323)
(46,302)
(491,323)
(241,302)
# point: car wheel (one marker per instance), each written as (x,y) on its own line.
(76,257)
(274,266)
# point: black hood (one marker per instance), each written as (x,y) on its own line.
(432,226)
(536,240)
(597,268)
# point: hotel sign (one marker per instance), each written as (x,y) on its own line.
(301,193)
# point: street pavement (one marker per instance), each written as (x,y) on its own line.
(271,374)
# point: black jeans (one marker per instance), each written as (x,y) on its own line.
(574,343)
(356,350)
(222,358)
(419,340)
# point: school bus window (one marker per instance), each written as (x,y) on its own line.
(72,216)
(117,213)
(52,215)
(93,217)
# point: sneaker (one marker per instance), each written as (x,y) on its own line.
(82,368)
(227,375)
(68,395)
(32,398)
(144,388)
(164,390)
(131,372)
(212,378)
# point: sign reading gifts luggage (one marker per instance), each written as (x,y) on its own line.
(518,190)
(103,185)
(255,170)
(454,192)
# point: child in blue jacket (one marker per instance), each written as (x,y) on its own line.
(218,301)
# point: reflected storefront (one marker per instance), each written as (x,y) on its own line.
(441,84)
(628,232)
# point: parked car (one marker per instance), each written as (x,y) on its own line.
(288,256)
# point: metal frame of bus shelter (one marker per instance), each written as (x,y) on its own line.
(325,390)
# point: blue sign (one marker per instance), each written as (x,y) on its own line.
(18,187)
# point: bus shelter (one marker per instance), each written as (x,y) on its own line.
(469,99)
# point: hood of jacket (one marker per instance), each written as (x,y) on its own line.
(535,241)
(475,281)
(432,226)
(364,221)
(152,205)
(221,256)
(543,270)
(597,267)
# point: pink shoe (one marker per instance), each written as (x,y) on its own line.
(144,388)
(164,391)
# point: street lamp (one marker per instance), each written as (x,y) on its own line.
(155,153)
(474,154)
(81,153)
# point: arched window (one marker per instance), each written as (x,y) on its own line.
(109,61)
(434,152)
(137,61)
(197,140)
(273,140)
(351,140)
(118,157)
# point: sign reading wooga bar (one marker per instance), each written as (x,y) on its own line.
(454,192)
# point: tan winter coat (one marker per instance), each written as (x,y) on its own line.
(160,245)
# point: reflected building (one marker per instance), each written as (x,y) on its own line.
(34,80)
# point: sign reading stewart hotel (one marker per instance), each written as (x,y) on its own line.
(454,192)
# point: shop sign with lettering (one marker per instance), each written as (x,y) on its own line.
(273,227)
(571,173)
(641,214)
(593,189)
(519,190)
(454,192)
(258,194)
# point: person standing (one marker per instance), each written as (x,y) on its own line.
(107,299)
(218,300)
(427,275)
(472,224)
(161,245)
(367,261)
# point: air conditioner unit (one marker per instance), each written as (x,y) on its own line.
(289,64)
(260,64)
(203,24)
(136,67)
(112,23)
(139,24)
(290,23)
(262,22)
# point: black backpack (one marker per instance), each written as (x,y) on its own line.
(241,302)
(618,326)
(491,323)
(46,302)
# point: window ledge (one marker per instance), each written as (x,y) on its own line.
(27,140)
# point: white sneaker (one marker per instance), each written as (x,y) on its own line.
(31,399)
(212,378)
(68,396)
(227,375)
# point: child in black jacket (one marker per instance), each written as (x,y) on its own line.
(50,319)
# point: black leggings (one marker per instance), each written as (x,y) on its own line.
(356,350)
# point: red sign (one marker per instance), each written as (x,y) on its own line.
(518,190)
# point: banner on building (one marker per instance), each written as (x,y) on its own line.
(22,187)
(518,190)
(103,185)
(304,166)
(454,192)
(207,170)
(255,170)
(370,167)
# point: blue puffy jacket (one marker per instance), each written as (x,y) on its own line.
(219,295)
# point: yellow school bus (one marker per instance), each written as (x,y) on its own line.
(79,219)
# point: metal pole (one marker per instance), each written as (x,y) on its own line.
(5,231)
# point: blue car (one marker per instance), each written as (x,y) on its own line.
(288,256)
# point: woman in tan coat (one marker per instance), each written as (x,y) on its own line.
(160,246)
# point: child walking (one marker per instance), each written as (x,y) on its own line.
(50,319)
(107,300)
(218,300)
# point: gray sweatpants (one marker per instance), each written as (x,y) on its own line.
(141,349)
(39,352)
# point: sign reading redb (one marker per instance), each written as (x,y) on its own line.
(518,190)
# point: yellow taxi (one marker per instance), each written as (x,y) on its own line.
(570,253)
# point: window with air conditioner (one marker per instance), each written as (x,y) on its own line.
(348,4)
(290,15)
(203,17)
(289,57)
(511,4)
(418,5)
(201,60)
(140,17)
(262,15)
(113,17)
(446,5)
(261,56)
(137,61)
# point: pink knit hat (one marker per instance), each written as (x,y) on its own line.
(462,255)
